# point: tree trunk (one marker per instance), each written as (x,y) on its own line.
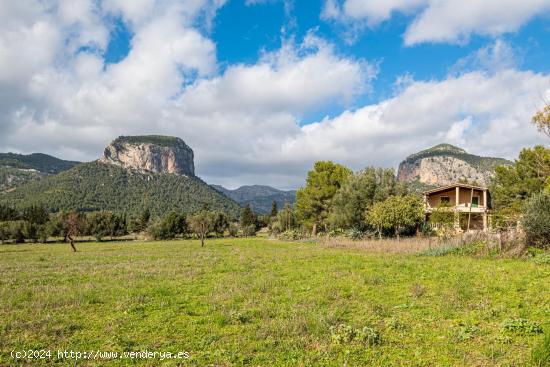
(72,243)
(202,240)
(397,234)
(314,230)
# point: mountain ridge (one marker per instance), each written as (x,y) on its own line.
(260,197)
(445,164)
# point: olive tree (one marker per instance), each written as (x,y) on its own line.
(202,223)
(396,213)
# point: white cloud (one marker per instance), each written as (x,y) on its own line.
(441,20)
(485,114)
(244,122)
(499,55)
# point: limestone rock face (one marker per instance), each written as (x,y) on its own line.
(445,164)
(151,154)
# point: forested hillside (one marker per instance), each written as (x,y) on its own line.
(18,169)
(259,197)
(97,186)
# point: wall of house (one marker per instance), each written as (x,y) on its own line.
(463,197)
(435,199)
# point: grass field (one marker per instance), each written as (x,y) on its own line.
(265,303)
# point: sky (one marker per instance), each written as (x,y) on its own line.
(261,89)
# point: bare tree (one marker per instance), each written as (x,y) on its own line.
(73,225)
(541,119)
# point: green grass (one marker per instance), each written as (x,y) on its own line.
(267,303)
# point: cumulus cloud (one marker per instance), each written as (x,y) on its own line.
(485,114)
(440,20)
(245,123)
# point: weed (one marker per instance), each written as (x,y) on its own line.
(543,258)
(345,334)
(521,326)
(418,290)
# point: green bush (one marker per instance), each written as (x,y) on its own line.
(355,234)
(521,326)
(233,230)
(536,220)
(345,334)
(250,230)
(168,227)
(291,235)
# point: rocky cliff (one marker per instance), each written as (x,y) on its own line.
(151,154)
(445,164)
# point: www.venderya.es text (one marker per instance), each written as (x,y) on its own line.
(96,354)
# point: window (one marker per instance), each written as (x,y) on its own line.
(445,200)
(475,201)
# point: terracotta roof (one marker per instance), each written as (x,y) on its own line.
(447,187)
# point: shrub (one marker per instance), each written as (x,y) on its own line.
(249,230)
(291,235)
(536,220)
(542,259)
(355,234)
(233,230)
(168,227)
(16,231)
(345,334)
(521,326)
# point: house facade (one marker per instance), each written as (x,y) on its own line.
(471,204)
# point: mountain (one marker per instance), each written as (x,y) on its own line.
(259,197)
(134,173)
(445,164)
(18,169)
(151,154)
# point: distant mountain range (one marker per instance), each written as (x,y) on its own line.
(134,173)
(18,169)
(259,197)
(158,173)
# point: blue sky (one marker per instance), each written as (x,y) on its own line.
(261,89)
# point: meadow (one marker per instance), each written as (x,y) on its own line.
(264,302)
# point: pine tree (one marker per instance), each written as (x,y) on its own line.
(274,209)
(248,218)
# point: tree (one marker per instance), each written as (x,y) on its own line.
(4,232)
(248,218)
(35,214)
(542,120)
(73,224)
(314,201)
(360,191)
(286,218)
(144,219)
(536,220)
(443,218)
(529,175)
(105,223)
(221,223)
(201,224)
(376,217)
(397,213)
(7,213)
(169,226)
(274,209)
